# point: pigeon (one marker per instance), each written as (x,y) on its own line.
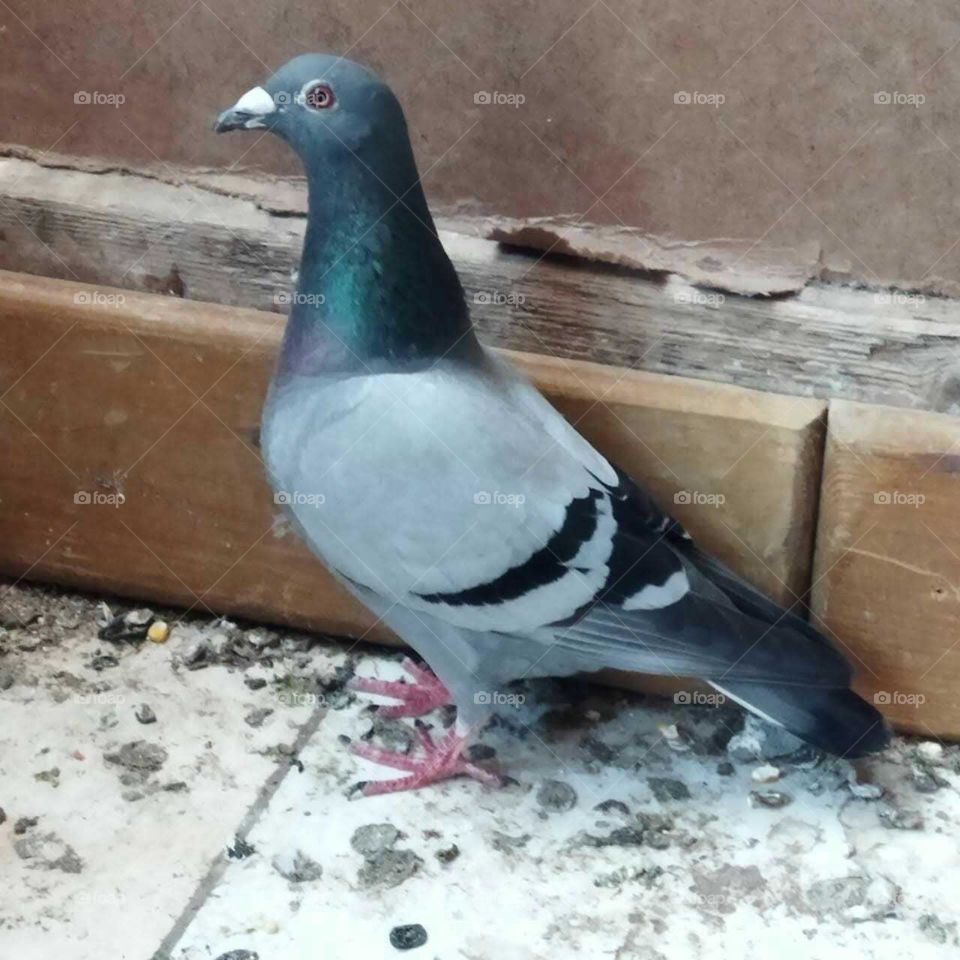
(447,494)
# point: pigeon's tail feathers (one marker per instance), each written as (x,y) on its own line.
(746,597)
(828,714)
(835,720)
(770,660)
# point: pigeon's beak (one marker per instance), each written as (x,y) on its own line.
(248,113)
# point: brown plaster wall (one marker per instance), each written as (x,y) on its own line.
(797,157)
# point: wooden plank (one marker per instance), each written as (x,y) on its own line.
(204,243)
(108,393)
(887,571)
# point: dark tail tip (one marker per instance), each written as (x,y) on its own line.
(837,721)
(868,730)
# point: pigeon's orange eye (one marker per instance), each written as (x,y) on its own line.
(319,96)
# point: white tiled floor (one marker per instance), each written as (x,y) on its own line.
(824,876)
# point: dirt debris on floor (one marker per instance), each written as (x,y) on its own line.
(192,780)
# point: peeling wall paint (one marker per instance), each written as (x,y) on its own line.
(797,136)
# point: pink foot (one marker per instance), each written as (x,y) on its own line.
(426,693)
(440,761)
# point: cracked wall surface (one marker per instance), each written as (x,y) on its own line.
(804,136)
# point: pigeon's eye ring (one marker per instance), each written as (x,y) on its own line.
(317,95)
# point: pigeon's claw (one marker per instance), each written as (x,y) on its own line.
(423,694)
(440,760)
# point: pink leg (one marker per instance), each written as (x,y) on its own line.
(424,694)
(441,760)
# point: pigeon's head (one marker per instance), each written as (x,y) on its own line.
(322,106)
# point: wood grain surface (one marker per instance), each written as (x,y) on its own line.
(226,243)
(887,574)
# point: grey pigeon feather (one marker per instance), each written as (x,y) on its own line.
(449,495)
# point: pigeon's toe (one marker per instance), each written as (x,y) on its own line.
(439,760)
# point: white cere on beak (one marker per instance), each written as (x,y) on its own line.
(257,102)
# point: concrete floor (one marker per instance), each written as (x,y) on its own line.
(215,823)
